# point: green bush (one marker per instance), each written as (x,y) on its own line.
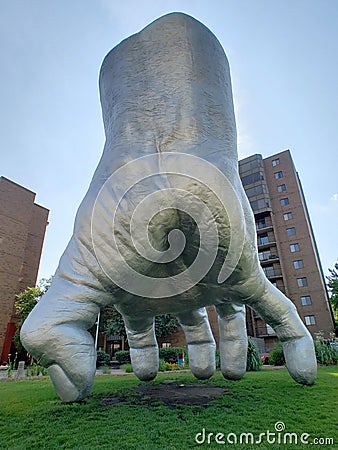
(326,355)
(162,365)
(106,370)
(253,360)
(128,368)
(276,357)
(123,356)
(35,370)
(102,358)
(170,354)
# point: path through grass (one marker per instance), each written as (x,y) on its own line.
(32,417)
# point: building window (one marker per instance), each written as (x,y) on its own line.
(279,174)
(266,254)
(275,162)
(310,320)
(256,190)
(270,331)
(166,344)
(263,256)
(298,264)
(306,300)
(259,204)
(263,239)
(281,188)
(260,224)
(302,282)
(284,201)
(287,216)
(269,271)
(294,248)
(252,178)
(245,167)
(291,231)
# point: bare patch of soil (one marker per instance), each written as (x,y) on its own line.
(170,394)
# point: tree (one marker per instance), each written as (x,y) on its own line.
(165,325)
(25,303)
(333,287)
(112,323)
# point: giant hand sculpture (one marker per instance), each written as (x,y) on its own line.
(165,225)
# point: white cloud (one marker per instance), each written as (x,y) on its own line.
(334,197)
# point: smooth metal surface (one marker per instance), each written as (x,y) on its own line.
(165,225)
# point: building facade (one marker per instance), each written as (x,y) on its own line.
(286,247)
(22,229)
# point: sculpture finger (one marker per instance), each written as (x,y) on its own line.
(281,314)
(143,346)
(233,341)
(55,333)
(201,343)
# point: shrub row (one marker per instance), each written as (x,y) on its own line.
(162,366)
(325,354)
(170,355)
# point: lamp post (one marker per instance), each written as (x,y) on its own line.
(97,329)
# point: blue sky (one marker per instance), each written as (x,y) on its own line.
(284,63)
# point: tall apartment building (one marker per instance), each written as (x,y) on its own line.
(286,245)
(22,230)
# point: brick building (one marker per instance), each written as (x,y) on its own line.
(286,247)
(22,230)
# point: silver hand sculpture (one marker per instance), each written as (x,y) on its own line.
(165,225)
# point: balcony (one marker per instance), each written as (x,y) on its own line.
(264,242)
(273,274)
(267,257)
(263,225)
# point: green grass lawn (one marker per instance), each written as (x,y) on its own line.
(32,416)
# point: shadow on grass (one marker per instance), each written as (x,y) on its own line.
(170,393)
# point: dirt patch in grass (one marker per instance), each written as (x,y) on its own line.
(170,394)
